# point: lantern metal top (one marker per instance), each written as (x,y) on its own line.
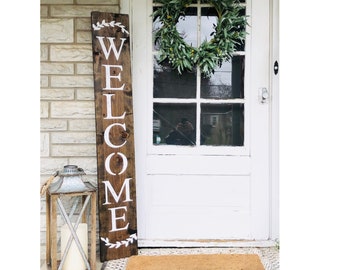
(71,181)
(71,170)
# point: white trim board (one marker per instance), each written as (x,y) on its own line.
(205,243)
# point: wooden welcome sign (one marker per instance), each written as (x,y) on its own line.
(114,136)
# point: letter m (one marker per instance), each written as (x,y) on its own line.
(109,188)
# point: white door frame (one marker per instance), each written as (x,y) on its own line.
(274,109)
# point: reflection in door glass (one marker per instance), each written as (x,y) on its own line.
(167,83)
(187,25)
(174,124)
(226,82)
(222,124)
(208,20)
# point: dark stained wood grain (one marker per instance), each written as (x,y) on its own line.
(119,241)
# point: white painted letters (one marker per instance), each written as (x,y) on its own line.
(112,46)
(109,108)
(109,188)
(113,73)
(108,77)
(107,135)
(108,161)
(114,219)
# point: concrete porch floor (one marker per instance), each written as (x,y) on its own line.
(269,256)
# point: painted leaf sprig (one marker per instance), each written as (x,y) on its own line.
(118,244)
(103,24)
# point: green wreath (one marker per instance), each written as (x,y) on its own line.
(229,32)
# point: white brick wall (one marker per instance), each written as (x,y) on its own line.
(67,112)
(56,30)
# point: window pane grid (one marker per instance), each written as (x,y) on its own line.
(218,112)
(203,101)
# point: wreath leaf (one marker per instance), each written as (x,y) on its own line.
(228,34)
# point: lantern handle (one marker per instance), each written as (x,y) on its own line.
(47,183)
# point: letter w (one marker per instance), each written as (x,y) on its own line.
(112,46)
(108,187)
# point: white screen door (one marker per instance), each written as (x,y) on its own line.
(215,183)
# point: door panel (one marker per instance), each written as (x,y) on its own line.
(205,192)
(190,205)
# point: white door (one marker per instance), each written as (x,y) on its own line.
(216,188)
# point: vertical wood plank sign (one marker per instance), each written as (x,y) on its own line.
(114,135)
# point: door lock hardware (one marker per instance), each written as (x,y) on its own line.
(263,95)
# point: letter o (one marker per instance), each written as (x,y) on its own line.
(107,163)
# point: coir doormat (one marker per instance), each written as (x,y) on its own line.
(196,262)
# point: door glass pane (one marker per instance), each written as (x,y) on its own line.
(226,82)
(155,27)
(167,83)
(222,124)
(208,20)
(187,26)
(174,124)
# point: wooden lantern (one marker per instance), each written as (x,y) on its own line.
(73,233)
